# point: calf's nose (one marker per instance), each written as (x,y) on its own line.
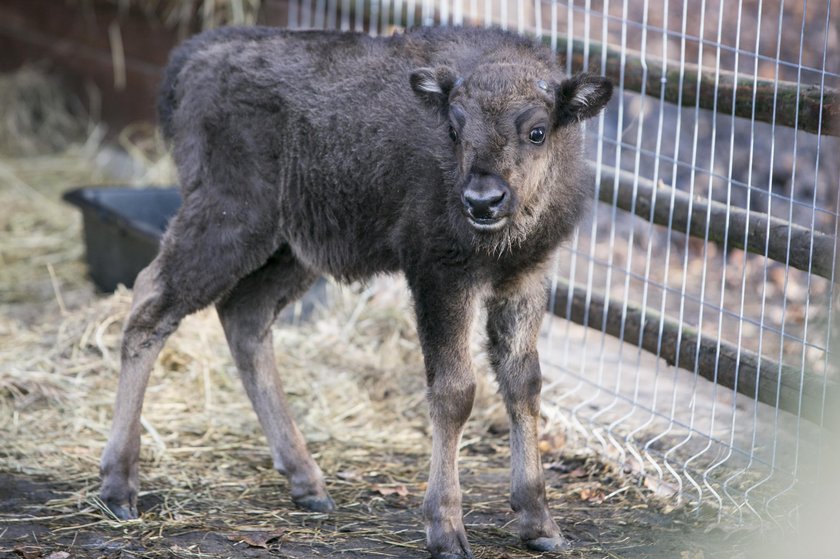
(483,204)
(486,201)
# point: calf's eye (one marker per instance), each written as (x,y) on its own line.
(453,135)
(537,135)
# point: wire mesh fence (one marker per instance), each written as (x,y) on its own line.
(699,293)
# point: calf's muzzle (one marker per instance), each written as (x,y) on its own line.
(486,201)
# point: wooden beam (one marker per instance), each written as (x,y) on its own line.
(817,112)
(715,360)
(756,232)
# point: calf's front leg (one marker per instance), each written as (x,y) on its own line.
(514,315)
(443,322)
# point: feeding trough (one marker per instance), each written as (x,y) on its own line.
(122,231)
(122,228)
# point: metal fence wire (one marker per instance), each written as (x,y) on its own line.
(699,294)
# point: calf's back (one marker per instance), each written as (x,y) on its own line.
(319,134)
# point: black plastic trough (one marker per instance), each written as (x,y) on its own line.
(123,227)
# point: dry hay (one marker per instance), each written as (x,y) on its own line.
(40,234)
(354,374)
(39,115)
(46,147)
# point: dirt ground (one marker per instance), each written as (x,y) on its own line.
(39,518)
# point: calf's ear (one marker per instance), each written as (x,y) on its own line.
(580,97)
(433,85)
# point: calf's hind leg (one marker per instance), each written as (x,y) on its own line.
(247,314)
(196,265)
(148,325)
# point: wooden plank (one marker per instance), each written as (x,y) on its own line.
(74,41)
(756,232)
(85,25)
(718,361)
(136,102)
(804,107)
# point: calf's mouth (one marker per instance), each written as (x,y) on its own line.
(486,202)
(487,224)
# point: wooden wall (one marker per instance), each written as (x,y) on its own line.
(75,40)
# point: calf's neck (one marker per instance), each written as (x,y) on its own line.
(452,155)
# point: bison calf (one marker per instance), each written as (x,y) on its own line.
(452,155)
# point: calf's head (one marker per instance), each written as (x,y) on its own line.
(515,141)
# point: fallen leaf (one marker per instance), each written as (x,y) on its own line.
(384,490)
(592,495)
(578,472)
(563,468)
(348,475)
(28,552)
(255,539)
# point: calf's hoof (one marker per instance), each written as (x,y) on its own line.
(120,496)
(553,543)
(315,503)
(451,544)
(123,511)
(469,555)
